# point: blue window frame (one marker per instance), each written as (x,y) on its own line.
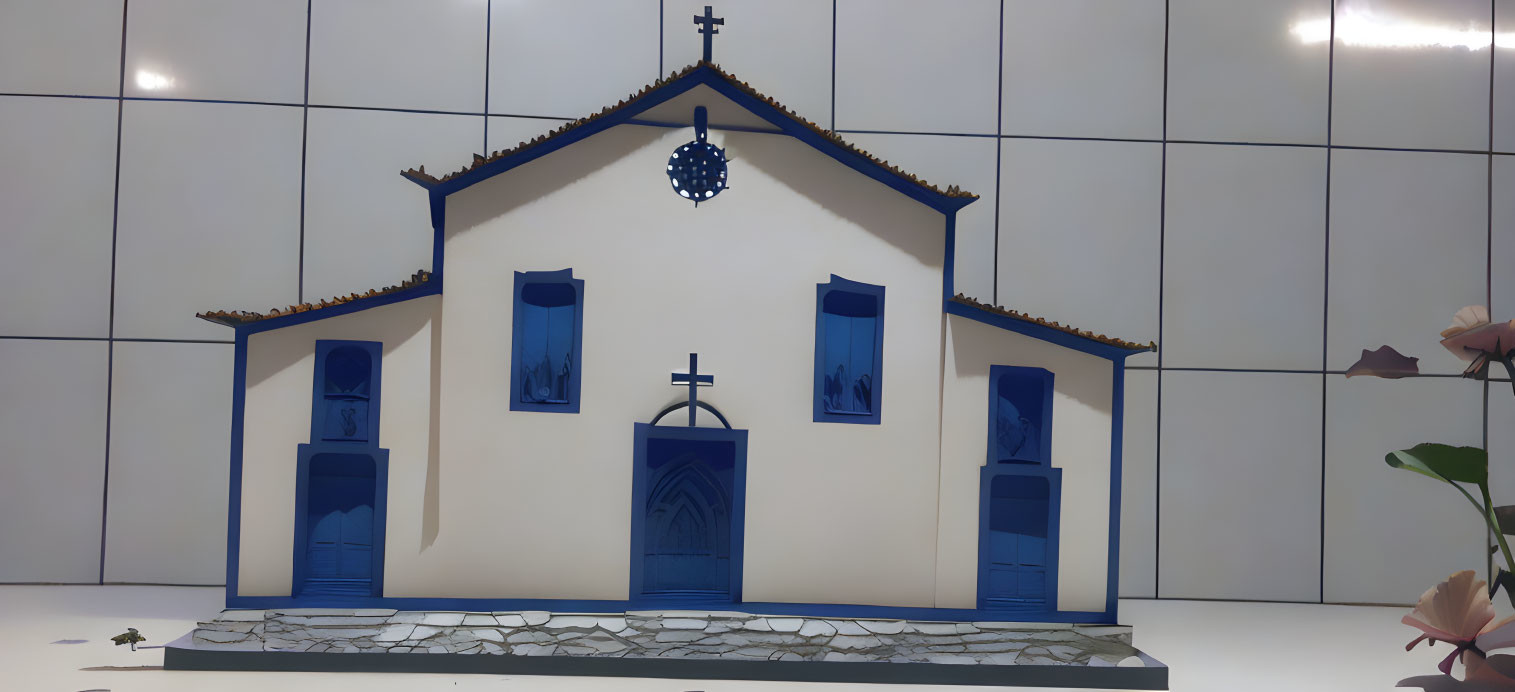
(547,342)
(849,351)
(1020,415)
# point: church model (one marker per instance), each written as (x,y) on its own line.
(690,353)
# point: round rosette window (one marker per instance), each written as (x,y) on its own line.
(697,170)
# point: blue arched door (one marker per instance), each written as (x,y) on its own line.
(339,545)
(687,509)
(1018,562)
(688,540)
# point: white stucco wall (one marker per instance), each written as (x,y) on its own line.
(1081,415)
(280,367)
(538,504)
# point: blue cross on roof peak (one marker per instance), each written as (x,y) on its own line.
(695,380)
(708,23)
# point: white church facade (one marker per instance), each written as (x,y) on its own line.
(602,397)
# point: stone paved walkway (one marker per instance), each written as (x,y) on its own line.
(667,634)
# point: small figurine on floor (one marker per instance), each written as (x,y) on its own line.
(129,637)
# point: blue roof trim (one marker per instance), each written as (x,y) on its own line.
(1050,335)
(713,78)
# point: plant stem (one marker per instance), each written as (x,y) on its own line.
(1504,547)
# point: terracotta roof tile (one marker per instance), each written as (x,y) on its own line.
(420,175)
(238,318)
(1101,338)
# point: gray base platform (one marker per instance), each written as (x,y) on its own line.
(670,644)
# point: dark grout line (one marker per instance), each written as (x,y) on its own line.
(1488,275)
(999,147)
(384,109)
(527,117)
(833,66)
(661,40)
(117,339)
(1325,307)
(488,39)
(304,140)
(110,344)
(1162,230)
(926,134)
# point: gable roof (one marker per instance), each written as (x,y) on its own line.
(787,121)
(1046,330)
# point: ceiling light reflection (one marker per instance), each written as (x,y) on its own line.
(153,81)
(1364,28)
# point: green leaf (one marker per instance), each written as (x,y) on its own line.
(1444,462)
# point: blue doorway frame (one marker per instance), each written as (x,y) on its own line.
(689,485)
(342,479)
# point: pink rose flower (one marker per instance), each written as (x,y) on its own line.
(1473,337)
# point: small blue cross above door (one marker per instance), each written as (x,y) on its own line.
(694,380)
(708,24)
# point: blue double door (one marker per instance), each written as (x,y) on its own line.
(340,525)
(687,514)
(1019,550)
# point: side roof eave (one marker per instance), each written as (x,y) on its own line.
(709,76)
(291,319)
(1078,342)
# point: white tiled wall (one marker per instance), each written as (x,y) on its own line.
(1216,175)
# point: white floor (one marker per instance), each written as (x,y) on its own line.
(1236,647)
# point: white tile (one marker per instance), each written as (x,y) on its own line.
(1237,73)
(572,57)
(398,54)
(1244,266)
(221,49)
(1079,225)
(61,47)
(1502,284)
(1138,494)
(209,215)
(169,462)
(1408,249)
(56,202)
(798,76)
(917,67)
(1504,75)
(1083,68)
(967,162)
(1390,533)
(365,225)
(1422,96)
(1240,513)
(52,428)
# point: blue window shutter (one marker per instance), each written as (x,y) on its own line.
(1020,415)
(547,341)
(849,347)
